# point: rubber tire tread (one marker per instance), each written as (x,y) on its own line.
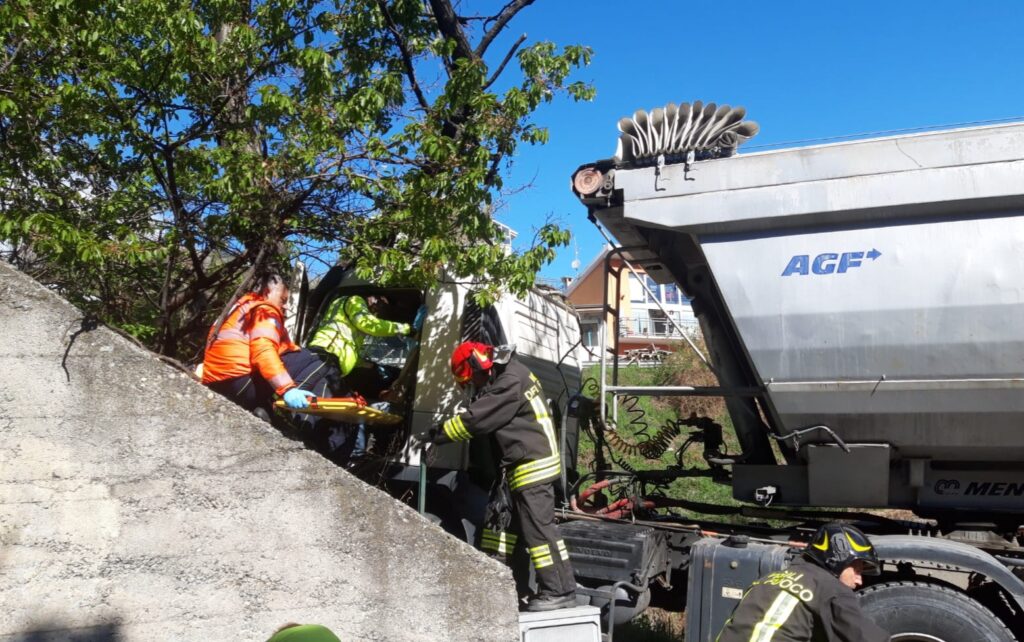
(922,607)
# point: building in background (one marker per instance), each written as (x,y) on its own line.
(507,235)
(646,316)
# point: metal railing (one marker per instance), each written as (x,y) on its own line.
(649,328)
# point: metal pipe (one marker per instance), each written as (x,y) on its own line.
(421,500)
(657,301)
(611,607)
(684,391)
(602,329)
(1010,561)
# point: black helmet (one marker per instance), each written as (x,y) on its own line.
(835,546)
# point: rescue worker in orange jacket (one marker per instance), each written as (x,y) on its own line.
(250,358)
(508,403)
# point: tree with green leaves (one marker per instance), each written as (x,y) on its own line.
(153,153)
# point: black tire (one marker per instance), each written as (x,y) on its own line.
(921,612)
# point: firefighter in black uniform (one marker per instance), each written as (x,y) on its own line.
(508,402)
(813,600)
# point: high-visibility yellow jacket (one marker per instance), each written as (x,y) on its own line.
(346,321)
(252,338)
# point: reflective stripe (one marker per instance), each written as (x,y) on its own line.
(535,471)
(236,316)
(540,413)
(541,556)
(531,466)
(456,430)
(231,352)
(502,536)
(265,332)
(336,336)
(498,541)
(234,325)
(563,551)
(457,420)
(308,377)
(543,549)
(775,617)
(544,475)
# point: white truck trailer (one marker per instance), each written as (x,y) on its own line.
(862,305)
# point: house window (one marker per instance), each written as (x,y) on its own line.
(636,291)
(671,294)
(589,331)
(660,325)
(654,288)
(641,323)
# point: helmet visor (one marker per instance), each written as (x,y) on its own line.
(871,566)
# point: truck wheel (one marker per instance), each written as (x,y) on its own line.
(921,612)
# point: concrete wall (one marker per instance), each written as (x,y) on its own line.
(136,505)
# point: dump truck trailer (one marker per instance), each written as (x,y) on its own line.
(862,307)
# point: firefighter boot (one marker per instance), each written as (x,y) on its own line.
(547,602)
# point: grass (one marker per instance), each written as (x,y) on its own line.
(640,419)
(653,625)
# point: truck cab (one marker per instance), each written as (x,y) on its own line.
(542,328)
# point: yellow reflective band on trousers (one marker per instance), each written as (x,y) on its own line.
(562,550)
(498,541)
(775,617)
(541,556)
(534,471)
(456,430)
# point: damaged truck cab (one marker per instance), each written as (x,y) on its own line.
(541,326)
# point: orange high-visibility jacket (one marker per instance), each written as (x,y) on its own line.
(253,337)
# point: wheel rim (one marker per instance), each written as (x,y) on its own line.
(915,637)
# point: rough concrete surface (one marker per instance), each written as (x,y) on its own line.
(137,505)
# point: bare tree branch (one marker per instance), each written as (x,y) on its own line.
(247,281)
(450,28)
(501,67)
(13,56)
(406,56)
(507,13)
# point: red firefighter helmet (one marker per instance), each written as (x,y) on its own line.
(470,357)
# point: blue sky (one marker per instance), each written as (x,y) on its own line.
(803,70)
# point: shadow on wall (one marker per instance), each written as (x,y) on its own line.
(56,632)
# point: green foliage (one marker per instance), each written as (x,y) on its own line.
(153,150)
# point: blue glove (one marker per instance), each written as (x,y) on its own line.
(421,314)
(297,398)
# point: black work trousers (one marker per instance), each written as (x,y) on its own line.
(533,530)
(367,378)
(309,372)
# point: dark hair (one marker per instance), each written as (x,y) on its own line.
(266,280)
